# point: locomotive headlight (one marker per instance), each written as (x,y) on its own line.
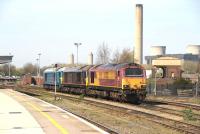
(126,86)
(135,86)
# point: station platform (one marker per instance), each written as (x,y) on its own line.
(23,114)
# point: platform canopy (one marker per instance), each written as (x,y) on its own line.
(5,59)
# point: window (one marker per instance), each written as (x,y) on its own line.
(172,74)
(78,77)
(100,75)
(133,72)
(106,75)
(45,77)
(118,73)
(92,77)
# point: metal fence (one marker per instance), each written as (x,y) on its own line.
(172,90)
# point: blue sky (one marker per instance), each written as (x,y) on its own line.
(51,27)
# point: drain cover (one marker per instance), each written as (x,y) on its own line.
(15,112)
(17,127)
(46,111)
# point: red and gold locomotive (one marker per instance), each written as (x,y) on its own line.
(124,81)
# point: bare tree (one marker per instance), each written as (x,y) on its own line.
(126,56)
(103,54)
(116,56)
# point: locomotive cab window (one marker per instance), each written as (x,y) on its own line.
(133,72)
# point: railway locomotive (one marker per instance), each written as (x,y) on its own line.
(123,82)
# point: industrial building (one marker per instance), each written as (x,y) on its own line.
(159,57)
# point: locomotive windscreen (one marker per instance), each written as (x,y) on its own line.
(136,72)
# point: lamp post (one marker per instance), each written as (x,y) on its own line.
(155,88)
(39,64)
(77,45)
(9,67)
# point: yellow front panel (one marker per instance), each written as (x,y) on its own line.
(133,83)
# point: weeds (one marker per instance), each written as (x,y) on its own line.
(81,97)
(188,114)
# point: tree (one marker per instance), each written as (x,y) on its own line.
(4,70)
(116,57)
(125,56)
(30,68)
(103,54)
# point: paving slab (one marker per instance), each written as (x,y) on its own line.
(15,119)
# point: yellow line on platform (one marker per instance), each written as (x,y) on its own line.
(54,122)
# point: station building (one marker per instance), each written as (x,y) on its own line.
(5,59)
(175,64)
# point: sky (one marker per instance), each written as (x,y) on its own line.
(51,27)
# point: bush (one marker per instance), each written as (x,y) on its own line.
(188,114)
(182,83)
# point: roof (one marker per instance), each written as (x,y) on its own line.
(110,66)
(48,70)
(5,59)
(78,69)
(179,56)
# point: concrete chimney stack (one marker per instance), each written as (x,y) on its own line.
(71,59)
(90,59)
(138,51)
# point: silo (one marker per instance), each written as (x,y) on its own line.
(90,59)
(158,50)
(193,49)
(71,59)
(138,51)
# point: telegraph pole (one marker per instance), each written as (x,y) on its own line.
(39,64)
(55,81)
(9,68)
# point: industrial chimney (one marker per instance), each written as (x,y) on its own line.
(71,59)
(90,59)
(138,51)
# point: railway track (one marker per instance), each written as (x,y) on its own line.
(173,124)
(170,123)
(185,105)
(167,110)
